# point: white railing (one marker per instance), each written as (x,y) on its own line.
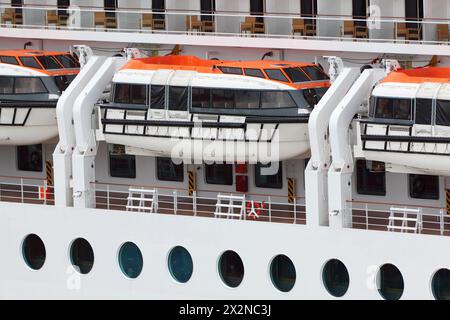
(376,216)
(26,190)
(275,25)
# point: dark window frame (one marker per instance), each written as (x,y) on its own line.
(129,157)
(40,163)
(161,100)
(368,189)
(265,184)
(286,79)
(39,66)
(3,58)
(173,178)
(228,179)
(225,70)
(427,195)
(261,73)
(184,106)
(130,90)
(45,91)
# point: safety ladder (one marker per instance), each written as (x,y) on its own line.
(142,200)
(230,206)
(405,218)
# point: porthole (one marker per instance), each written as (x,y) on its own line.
(390,282)
(33,250)
(282,273)
(231,269)
(440,284)
(130,260)
(82,255)
(335,278)
(180,264)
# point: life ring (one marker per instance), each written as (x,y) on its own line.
(254,209)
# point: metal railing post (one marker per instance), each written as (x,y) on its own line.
(270,208)
(295,211)
(367,217)
(21,189)
(175,202)
(107,196)
(441,221)
(194,203)
(45,192)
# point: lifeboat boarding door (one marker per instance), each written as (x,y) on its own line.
(158,96)
(178,95)
(442,119)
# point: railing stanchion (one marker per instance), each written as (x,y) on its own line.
(295,211)
(21,189)
(107,196)
(270,208)
(441,212)
(44,193)
(194,202)
(367,217)
(175,202)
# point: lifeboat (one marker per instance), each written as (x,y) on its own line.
(212,110)
(31,82)
(408,121)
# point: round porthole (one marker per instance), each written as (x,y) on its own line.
(130,260)
(390,282)
(33,250)
(335,278)
(82,255)
(180,264)
(231,269)
(441,284)
(282,273)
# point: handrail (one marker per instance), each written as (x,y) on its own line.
(394,204)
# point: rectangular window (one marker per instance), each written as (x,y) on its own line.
(67,61)
(230,70)
(424,108)
(167,170)
(130,93)
(277,99)
(424,187)
(315,73)
(388,108)
(158,97)
(257,8)
(207,8)
(29,158)
(121,165)
(49,63)
(223,98)
(110,7)
(359,12)
(25,85)
(254,73)
(9,60)
(443,113)
(413,12)
(247,99)
(62,6)
(158,6)
(269,176)
(178,98)
(296,75)
(276,74)
(201,98)
(219,174)
(6,85)
(308,8)
(30,62)
(370,178)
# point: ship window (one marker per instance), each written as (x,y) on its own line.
(9,60)
(24,85)
(441,284)
(121,165)
(29,158)
(269,175)
(277,99)
(130,260)
(49,63)
(82,255)
(130,93)
(276,74)
(30,62)
(247,99)
(370,178)
(390,282)
(158,6)
(158,97)
(33,251)
(207,7)
(443,113)
(296,75)
(388,108)
(62,82)
(167,170)
(254,73)
(67,61)
(424,108)
(230,70)
(201,98)
(180,264)
(223,98)
(315,73)
(231,269)
(282,273)
(335,278)
(6,85)
(424,186)
(178,98)
(219,174)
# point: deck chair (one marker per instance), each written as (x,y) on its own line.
(51,18)
(442,32)
(247,25)
(349,28)
(298,26)
(400,30)
(193,24)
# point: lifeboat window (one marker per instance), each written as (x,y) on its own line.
(201,98)
(158,97)
(9,60)
(130,93)
(67,61)
(370,178)
(223,98)
(247,99)
(443,113)
(254,73)
(424,109)
(29,158)
(121,165)
(276,74)
(269,175)
(296,75)
(29,85)
(231,70)
(49,63)
(6,85)
(389,108)
(315,73)
(30,62)
(277,99)
(424,187)
(178,98)
(219,173)
(167,170)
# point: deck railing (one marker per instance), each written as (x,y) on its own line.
(26,190)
